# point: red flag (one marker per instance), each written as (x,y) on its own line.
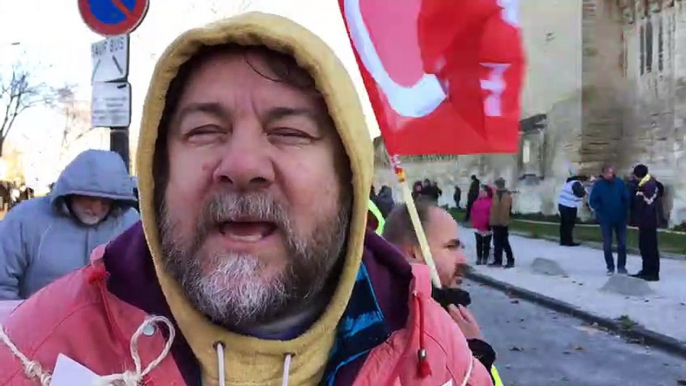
(443,76)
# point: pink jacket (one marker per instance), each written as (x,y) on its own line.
(7,306)
(82,320)
(481,212)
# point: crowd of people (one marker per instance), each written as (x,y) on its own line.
(252,262)
(616,204)
(12,193)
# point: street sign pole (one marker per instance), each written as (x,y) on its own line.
(119,135)
(111,100)
(119,143)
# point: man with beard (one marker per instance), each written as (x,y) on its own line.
(45,238)
(442,234)
(252,262)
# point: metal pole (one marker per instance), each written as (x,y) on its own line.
(119,143)
(119,136)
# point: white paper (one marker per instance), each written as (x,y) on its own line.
(68,372)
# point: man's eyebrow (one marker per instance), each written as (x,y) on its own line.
(277,113)
(209,108)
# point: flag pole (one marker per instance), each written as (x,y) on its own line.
(414,217)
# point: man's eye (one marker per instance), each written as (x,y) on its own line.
(456,246)
(290,136)
(290,133)
(210,129)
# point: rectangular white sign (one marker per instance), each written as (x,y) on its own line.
(69,372)
(110,59)
(111,104)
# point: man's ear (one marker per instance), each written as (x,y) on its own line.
(411,253)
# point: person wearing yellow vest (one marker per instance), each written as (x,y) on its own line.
(375,220)
(442,234)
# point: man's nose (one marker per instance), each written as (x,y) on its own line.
(461,258)
(245,162)
(96,206)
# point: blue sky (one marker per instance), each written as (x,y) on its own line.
(54,39)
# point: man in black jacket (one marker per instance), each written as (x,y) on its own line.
(646,201)
(472,195)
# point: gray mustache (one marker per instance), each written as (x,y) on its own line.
(228,206)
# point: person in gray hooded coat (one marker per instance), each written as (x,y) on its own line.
(47,237)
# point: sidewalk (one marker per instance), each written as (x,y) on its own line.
(663,312)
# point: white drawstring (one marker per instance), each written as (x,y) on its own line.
(469,372)
(219,346)
(286,369)
(220,363)
(32,369)
(134,378)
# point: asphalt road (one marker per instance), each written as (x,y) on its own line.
(540,347)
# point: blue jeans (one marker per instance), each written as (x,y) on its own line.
(619,230)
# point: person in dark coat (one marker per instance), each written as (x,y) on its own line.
(457,196)
(472,195)
(646,201)
(610,200)
(417,189)
(431,191)
(384,200)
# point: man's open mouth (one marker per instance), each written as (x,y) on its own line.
(247,231)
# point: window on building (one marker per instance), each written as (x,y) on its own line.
(649,46)
(642,50)
(660,48)
(533,147)
(526,152)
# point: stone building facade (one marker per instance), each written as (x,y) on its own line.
(605,84)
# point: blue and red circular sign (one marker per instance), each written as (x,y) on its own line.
(113,17)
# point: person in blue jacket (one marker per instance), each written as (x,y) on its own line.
(610,200)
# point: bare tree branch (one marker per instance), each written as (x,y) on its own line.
(77,122)
(21,92)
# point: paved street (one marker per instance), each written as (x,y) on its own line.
(539,347)
(663,310)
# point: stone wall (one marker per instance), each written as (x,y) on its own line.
(652,125)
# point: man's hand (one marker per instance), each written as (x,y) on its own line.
(465,321)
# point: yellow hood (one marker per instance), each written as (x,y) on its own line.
(251,361)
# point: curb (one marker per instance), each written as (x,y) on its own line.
(599,246)
(637,333)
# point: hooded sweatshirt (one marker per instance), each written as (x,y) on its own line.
(378,320)
(41,240)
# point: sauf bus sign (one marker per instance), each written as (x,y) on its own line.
(110,59)
(111,98)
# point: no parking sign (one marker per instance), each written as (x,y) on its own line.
(113,17)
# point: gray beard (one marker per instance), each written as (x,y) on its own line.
(235,294)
